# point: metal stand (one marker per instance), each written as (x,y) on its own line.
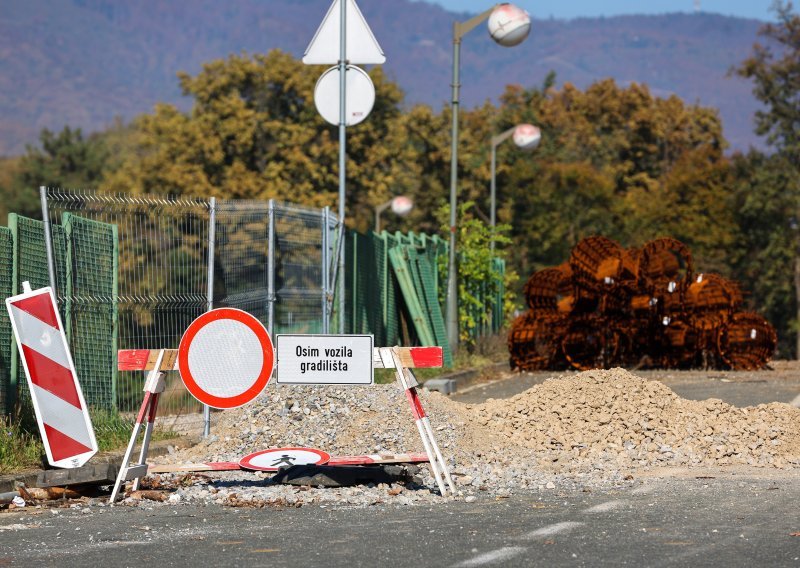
(153,388)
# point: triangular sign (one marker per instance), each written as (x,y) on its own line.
(362,47)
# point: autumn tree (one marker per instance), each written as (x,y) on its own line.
(254,132)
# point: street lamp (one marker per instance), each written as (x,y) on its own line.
(508,26)
(401,205)
(526,137)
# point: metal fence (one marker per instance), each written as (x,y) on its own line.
(132,272)
(168,260)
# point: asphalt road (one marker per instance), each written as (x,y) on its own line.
(727,520)
(721,518)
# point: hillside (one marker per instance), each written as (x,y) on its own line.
(83,62)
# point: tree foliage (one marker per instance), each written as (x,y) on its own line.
(614,160)
(773,186)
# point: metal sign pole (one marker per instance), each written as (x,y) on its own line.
(212,214)
(342,148)
(48,240)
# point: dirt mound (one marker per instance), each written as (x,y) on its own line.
(614,415)
(607,423)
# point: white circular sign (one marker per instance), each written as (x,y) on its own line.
(225,358)
(274,459)
(360,95)
(509,25)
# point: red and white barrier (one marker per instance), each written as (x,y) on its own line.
(390,357)
(58,402)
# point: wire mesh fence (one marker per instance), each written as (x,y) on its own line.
(137,270)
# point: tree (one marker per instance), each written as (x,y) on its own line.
(775,71)
(65,159)
(254,133)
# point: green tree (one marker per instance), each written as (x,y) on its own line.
(65,159)
(478,278)
(763,252)
(774,69)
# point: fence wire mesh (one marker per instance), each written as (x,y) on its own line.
(6,337)
(159,248)
(135,273)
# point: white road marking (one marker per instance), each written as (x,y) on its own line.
(550,530)
(795,402)
(603,507)
(493,557)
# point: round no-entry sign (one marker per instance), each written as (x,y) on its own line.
(225,358)
(276,458)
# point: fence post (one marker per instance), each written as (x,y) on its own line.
(212,214)
(48,240)
(325,268)
(271,270)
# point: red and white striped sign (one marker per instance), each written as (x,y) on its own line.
(61,411)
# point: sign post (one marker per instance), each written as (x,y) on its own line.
(352,42)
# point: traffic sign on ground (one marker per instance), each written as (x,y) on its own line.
(276,458)
(58,402)
(225,358)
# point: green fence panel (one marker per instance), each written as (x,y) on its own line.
(30,263)
(424,278)
(92,265)
(7,395)
(398,256)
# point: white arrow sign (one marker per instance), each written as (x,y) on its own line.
(362,47)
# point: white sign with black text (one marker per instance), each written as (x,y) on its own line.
(324,359)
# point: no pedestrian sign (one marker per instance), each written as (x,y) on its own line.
(324,359)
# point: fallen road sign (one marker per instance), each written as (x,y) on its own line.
(276,458)
(225,358)
(61,411)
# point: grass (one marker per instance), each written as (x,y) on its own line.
(21,446)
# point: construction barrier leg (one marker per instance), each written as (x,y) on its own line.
(153,387)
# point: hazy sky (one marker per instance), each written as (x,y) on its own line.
(758,9)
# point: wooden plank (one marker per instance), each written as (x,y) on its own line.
(145,359)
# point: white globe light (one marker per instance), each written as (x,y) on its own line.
(402,205)
(527,136)
(509,25)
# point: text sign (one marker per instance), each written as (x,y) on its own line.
(324,359)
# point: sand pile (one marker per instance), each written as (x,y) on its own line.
(614,416)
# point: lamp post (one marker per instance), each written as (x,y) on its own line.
(401,205)
(526,137)
(508,26)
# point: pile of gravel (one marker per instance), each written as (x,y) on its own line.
(593,429)
(620,420)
